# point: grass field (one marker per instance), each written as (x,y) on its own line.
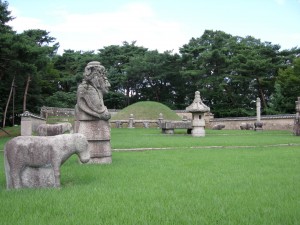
(227,177)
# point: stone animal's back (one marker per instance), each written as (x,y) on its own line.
(246,126)
(31,150)
(41,152)
(54,129)
(218,127)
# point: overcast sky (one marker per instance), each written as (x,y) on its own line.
(156,24)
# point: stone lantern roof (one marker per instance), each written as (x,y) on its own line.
(198,105)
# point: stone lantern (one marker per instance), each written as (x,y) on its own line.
(198,108)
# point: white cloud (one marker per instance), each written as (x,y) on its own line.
(280,2)
(132,22)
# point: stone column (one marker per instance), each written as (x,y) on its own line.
(258,124)
(258,105)
(131,121)
(297,118)
(160,120)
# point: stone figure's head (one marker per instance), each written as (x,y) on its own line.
(95,74)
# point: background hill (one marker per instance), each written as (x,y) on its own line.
(146,110)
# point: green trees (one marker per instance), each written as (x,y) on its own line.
(287,89)
(155,75)
(137,74)
(232,71)
(115,58)
(23,58)
(229,71)
(65,73)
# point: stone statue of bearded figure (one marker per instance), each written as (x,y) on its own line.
(92,115)
(90,105)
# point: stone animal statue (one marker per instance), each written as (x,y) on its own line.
(54,129)
(246,126)
(218,127)
(41,152)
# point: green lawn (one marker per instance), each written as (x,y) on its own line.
(227,177)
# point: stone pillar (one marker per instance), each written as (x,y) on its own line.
(160,120)
(131,121)
(258,105)
(92,115)
(297,118)
(258,124)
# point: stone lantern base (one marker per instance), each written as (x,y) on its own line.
(198,132)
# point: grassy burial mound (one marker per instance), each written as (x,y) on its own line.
(146,110)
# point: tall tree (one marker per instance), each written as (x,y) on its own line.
(288,83)
(23,55)
(154,75)
(206,60)
(115,59)
(231,71)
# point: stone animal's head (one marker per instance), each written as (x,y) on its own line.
(95,74)
(81,145)
(69,128)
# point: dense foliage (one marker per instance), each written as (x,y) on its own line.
(229,71)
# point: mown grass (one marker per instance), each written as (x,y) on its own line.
(152,138)
(201,185)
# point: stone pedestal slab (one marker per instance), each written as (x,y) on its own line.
(97,133)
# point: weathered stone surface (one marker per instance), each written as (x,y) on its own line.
(34,161)
(296,129)
(198,105)
(218,127)
(119,124)
(131,121)
(90,105)
(258,126)
(42,177)
(99,149)
(160,120)
(54,129)
(198,109)
(169,126)
(176,125)
(246,126)
(26,127)
(92,115)
(30,122)
(95,129)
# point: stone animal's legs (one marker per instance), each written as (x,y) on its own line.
(15,177)
(56,176)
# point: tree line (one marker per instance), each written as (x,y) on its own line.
(229,71)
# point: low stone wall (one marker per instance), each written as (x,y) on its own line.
(54,111)
(271,122)
(136,123)
(30,122)
(64,112)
